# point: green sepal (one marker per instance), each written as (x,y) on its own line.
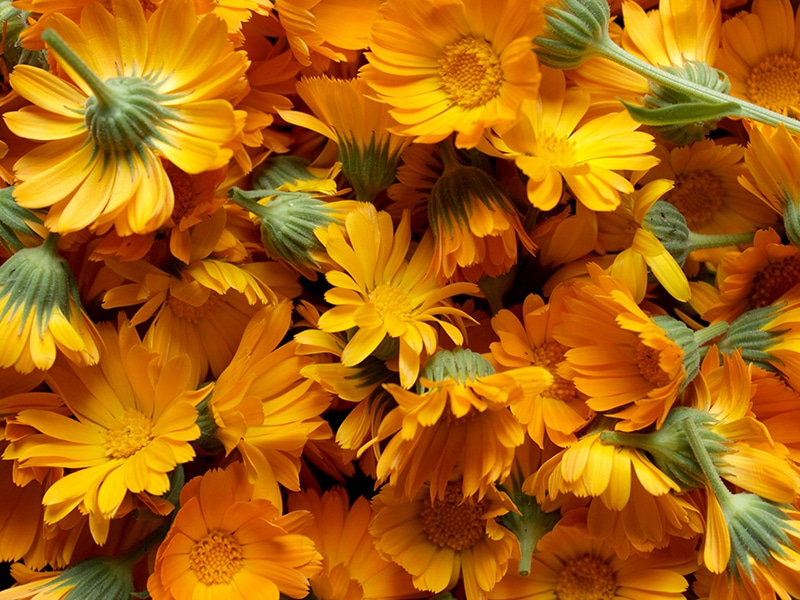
(459,364)
(369,169)
(14,221)
(748,333)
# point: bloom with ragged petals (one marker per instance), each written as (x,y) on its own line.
(224,543)
(132,423)
(144,89)
(453,65)
(379,293)
(552,145)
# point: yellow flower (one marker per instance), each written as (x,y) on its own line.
(383,294)
(551,142)
(354,570)
(202,311)
(224,543)
(759,50)
(133,423)
(560,410)
(441,540)
(453,65)
(263,407)
(143,90)
(570,564)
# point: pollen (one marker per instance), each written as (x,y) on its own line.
(193,314)
(216,558)
(453,521)
(182,190)
(586,578)
(470,72)
(391,301)
(549,357)
(130,433)
(647,361)
(698,195)
(558,151)
(775,83)
(775,280)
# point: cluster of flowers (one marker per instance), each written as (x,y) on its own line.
(363,299)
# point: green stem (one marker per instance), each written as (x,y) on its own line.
(608,49)
(448,153)
(701,240)
(706,463)
(105,97)
(705,335)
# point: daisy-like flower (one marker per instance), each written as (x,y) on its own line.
(560,410)
(132,423)
(352,567)
(552,147)
(570,564)
(624,231)
(441,540)
(224,543)
(41,313)
(453,65)
(144,89)
(759,55)
(462,404)
(622,359)
(382,294)
(707,192)
(263,407)
(756,277)
(203,311)
(342,112)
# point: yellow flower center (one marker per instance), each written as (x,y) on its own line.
(453,521)
(470,72)
(586,578)
(774,280)
(557,151)
(391,300)
(130,433)
(187,312)
(216,558)
(549,356)
(775,83)
(698,195)
(647,361)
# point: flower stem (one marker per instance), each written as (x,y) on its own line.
(706,463)
(701,240)
(104,95)
(705,335)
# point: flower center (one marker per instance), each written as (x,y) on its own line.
(454,521)
(549,356)
(647,361)
(130,433)
(698,195)
(182,190)
(586,578)
(775,83)
(216,558)
(390,300)
(188,312)
(470,72)
(557,151)
(774,280)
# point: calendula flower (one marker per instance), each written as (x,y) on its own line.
(572,564)
(354,570)
(263,407)
(144,89)
(224,543)
(552,146)
(132,423)
(41,313)
(360,127)
(202,311)
(453,66)
(441,540)
(461,403)
(756,277)
(757,54)
(382,294)
(560,410)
